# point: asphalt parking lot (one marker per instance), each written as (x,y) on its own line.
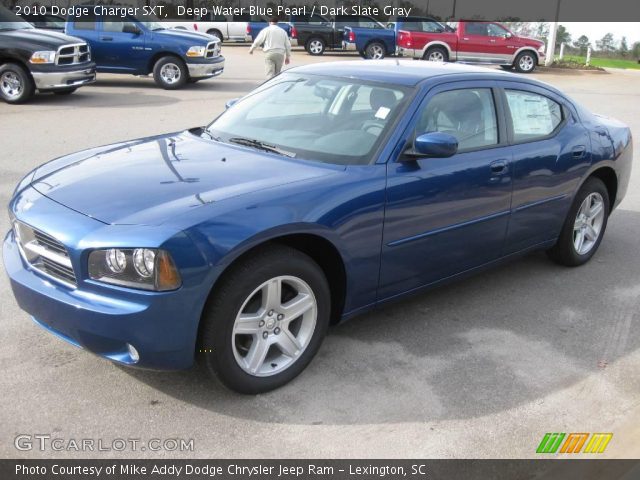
(481,368)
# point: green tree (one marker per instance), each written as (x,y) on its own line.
(562,36)
(635,50)
(606,44)
(624,48)
(582,44)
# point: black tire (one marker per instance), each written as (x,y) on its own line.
(315,46)
(16,84)
(375,51)
(66,91)
(564,251)
(216,33)
(216,339)
(175,65)
(525,62)
(436,54)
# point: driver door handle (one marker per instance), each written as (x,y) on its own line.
(499,167)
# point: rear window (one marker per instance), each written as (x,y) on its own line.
(533,116)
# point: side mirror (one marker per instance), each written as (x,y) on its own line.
(433,145)
(231,103)
(130,28)
(507,35)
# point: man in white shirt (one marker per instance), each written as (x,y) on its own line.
(276,46)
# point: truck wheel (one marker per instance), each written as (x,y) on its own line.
(66,91)
(375,51)
(266,320)
(525,62)
(16,85)
(436,54)
(216,33)
(315,46)
(170,73)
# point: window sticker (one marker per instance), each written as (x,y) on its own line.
(382,113)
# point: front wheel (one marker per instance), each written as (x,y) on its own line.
(266,320)
(170,73)
(16,85)
(525,62)
(585,225)
(375,51)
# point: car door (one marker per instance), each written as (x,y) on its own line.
(483,42)
(448,215)
(122,50)
(551,153)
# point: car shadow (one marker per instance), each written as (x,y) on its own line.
(502,338)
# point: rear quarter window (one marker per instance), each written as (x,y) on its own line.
(533,116)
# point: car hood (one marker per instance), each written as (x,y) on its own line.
(47,39)
(185,35)
(154,180)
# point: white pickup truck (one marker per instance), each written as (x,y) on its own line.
(229,28)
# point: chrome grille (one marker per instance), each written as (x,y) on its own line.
(73,54)
(44,253)
(213,50)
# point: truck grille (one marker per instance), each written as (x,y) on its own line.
(44,253)
(73,54)
(213,50)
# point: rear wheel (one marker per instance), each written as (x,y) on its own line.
(525,62)
(585,225)
(170,73)
(266,320)
(315,46)
(216,33)
(375,51)
(16,85)
(436,54)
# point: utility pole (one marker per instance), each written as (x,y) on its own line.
(551,47)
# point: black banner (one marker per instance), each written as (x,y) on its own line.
(589,469)
(383,10)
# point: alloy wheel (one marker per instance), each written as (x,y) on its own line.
(11,85)
(274,326)
(170,73)
(526,63)
(587,226)
(436,56)
(376,52)
(315,47)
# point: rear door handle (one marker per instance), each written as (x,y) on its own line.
(579,151)
(499,167)
(106,39)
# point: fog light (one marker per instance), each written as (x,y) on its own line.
(133,353)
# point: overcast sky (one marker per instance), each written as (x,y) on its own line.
(597,30)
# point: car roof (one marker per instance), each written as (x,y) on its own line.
(400,72)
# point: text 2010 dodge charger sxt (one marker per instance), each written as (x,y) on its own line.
(327,191)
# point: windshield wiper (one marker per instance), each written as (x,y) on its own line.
(249,142)
(210,135)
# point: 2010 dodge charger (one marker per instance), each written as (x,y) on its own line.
(325,192)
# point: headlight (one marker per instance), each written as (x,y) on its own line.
(143,268)
(43,57)
(195,52)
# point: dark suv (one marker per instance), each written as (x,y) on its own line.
(43,60)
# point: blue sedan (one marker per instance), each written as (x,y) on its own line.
(327,191)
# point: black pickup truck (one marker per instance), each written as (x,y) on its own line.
(43,60)
(317,34)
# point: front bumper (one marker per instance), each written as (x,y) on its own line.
(349,47)
(55,80)
(211,68)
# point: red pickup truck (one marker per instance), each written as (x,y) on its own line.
(472,42)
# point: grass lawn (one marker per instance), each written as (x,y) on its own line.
(604,62)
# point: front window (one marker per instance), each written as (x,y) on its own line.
(327,119)
(495,30)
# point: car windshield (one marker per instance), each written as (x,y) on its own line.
(327,119)
(11,21)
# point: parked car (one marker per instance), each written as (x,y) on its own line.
(329,190)
(134,47)
(472,42)
(45,21)
(32,59)
(322,34)
(229,28)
